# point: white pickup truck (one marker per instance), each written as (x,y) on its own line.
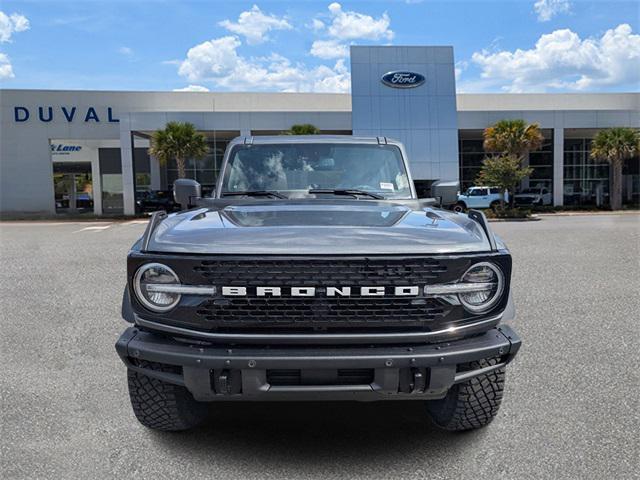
(533,196)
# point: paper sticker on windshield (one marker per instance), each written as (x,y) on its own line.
(386,186)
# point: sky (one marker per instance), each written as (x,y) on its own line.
(499,46)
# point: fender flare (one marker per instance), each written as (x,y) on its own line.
(127,309)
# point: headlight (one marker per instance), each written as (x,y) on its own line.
(486,282)
(479,288)
(152,283)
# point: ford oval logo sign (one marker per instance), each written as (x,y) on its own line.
(403,79)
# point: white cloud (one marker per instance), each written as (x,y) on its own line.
(316,25)
(329,49)
(547,9)
(217,61)
(460,67)
(331,80)
(10,24)
(213,58)
(6,70)
(126,51)
(561,60)
(348,25)
(254,25)
(192,88)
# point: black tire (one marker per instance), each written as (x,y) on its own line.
(459,207)
(472,404)
(163,406)
(494,205)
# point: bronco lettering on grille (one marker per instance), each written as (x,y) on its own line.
(403,291)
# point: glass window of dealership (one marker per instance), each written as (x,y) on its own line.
(585,181)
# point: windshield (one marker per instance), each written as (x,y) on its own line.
(290,168)
(530,191)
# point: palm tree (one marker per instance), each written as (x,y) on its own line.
(178,141)
(513,138)
(615,145)
(303,129)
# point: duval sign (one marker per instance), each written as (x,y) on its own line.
(402,79)
(47,114)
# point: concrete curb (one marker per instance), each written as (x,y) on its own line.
(528,219)
(576,214)
(65,219)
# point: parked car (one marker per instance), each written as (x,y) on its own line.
(479,197)
(533,196)
(154,200)
(319,277)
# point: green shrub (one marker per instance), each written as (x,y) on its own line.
(508,213)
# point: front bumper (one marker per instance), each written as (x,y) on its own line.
(215,372)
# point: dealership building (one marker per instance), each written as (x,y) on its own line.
(86,151)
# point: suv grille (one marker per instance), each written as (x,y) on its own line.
(250,312)
(331,272)
(320,312)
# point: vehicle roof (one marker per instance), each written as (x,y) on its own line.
(258,140)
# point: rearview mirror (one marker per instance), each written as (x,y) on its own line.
(186,192)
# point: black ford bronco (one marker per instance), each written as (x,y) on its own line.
(315,273)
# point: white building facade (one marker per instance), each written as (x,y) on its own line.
(86,151)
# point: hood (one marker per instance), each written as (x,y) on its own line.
(317,227)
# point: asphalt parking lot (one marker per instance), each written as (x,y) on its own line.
(570,410)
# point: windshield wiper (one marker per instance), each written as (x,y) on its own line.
(255,193)
(347,191)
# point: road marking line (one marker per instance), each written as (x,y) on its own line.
(94,229)
(28,223)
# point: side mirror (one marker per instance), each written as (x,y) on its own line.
(445,191)
(186,192)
